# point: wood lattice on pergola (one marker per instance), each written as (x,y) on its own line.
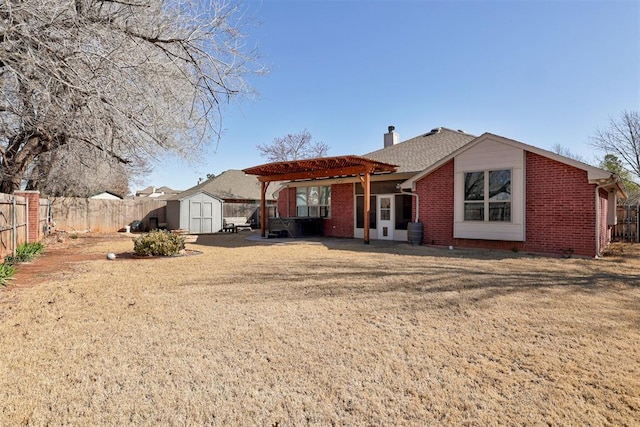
(320,168)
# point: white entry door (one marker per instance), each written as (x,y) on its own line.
(385,217)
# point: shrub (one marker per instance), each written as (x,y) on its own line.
(6,273)
(158,243)
(25,253)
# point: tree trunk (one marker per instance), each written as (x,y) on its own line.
(9,184)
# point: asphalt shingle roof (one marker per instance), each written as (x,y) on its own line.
(231,184)
(416,154)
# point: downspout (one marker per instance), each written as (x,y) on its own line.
(598,218)
(417,201)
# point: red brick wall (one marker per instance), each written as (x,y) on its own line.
(342,212)
(283,210)
(560,210)
(33,198)
(436,205)
(340,224)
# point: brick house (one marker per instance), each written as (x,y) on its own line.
(452,188)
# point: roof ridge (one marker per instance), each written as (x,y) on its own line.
(439,129)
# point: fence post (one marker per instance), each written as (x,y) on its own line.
(14,220)
(49,217)
(27,217)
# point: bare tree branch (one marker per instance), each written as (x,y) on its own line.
(564,151)
(293,147)
(131,78)
(621,138)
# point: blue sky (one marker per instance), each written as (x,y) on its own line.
(540,72)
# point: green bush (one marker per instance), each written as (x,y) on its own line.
(25,253)
(158,243)
(6,273)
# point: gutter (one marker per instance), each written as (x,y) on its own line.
(417,201)
(597,193)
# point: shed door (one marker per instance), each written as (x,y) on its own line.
(200,217)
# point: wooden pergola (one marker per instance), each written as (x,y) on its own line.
(319,168)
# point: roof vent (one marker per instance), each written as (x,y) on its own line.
(433,131)
(461,131)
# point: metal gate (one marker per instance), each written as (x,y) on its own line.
(626,230)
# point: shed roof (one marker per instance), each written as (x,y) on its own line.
(232,184)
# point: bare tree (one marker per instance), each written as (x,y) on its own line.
(564,151)
(293,147)
(130,79)
(81,173)
(622,139)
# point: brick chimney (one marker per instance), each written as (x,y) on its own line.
(391,138)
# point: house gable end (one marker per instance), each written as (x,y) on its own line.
(485,157)
(594,174)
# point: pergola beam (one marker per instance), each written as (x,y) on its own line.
(325,173)
(318,169)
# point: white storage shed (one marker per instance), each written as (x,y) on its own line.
(198,213)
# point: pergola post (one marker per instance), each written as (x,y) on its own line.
(366,183)
(263,208)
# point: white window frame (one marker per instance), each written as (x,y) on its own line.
(322,210)
(486,201)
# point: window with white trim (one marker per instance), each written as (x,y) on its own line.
(487,195)
(313,201)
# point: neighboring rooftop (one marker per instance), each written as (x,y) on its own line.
(229,185)
(160,193)
(416,154)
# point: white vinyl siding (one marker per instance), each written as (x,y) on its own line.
(486,157)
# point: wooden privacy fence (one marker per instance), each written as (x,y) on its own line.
(24,218)
(74,214)
(13,222)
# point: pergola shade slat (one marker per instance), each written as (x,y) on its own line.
(319,168)
(322,167)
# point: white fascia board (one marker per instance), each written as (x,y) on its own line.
(594,175)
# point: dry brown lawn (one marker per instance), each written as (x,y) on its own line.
(321,333)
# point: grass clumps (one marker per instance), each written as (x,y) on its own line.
(158,243)
(6,273)
(25,253)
